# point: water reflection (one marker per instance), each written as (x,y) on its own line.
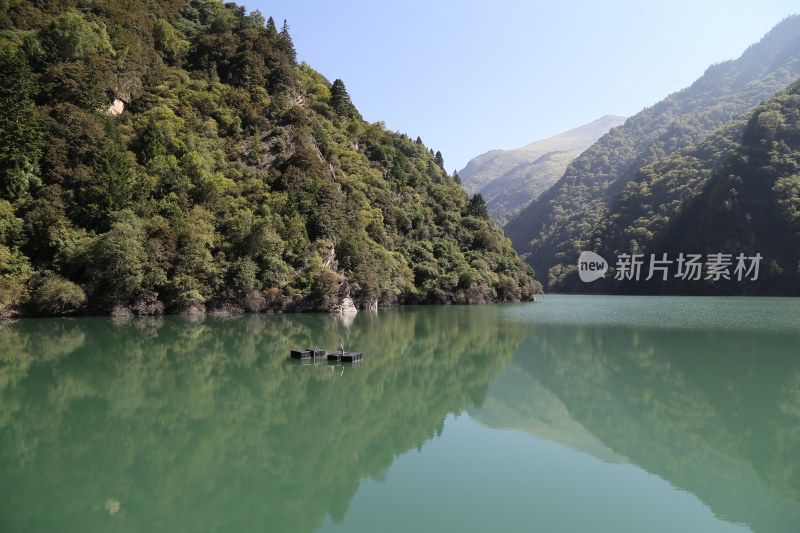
(175,424)
(168,424)
(714,413)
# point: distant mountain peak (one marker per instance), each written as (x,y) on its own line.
(511,179)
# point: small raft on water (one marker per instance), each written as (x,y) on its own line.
(307,353)
(345,357)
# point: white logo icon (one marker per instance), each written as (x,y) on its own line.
(591,266)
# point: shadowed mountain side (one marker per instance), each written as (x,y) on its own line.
(176,419)
(713,414)
(563,221)
(737,191)
(510,179)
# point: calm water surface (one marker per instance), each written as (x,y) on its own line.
(618,414)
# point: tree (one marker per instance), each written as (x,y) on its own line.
(477,206)
(340,100)
(152,142)
(169,41)
(196,268)
(109,187)
(21,139)
(272,30)
(70,36)
(285,43)
(282,78)
(256,151)
(232,171)
(55,295)
(119,259)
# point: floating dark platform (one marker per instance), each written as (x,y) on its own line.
(345,357)
(307,353)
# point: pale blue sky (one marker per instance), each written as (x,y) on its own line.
(469,76)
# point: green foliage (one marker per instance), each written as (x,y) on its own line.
(737,191)
(69,36)
(118,259)
(169,41)
(20,134)
(340,100)
(13,292)
(565,220)
(13,263)
(477,206)
(439,159)
(232,172)
(152,141)
(109,187)
(10,224)
(55,295)
(178,394)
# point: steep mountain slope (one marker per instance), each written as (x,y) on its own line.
(738,191)
(509,180)
(174,155)
(554,229)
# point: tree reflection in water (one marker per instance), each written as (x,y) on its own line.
(205,425)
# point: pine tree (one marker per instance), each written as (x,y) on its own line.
(340,100)
(151,142)
(477,206)
(21,140)
(272,30)
(285,43)
(256,147)
(438,159)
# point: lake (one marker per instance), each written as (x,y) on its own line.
(577,413)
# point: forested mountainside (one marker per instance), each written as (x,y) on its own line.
(174,156)
(554,229)
(509,180)
(737,191)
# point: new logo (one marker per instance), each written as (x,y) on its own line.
(591,266)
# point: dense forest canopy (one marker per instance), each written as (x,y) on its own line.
(737,191)
(565,220)
(174,155)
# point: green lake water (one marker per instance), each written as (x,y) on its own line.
(578,413)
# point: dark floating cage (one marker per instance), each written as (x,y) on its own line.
(345,357)
(307,353)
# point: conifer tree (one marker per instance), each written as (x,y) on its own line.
(272,30)
(340,100)
(285,43)
(20,136)
(477,206)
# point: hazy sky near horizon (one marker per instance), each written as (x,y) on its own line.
(469,77)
